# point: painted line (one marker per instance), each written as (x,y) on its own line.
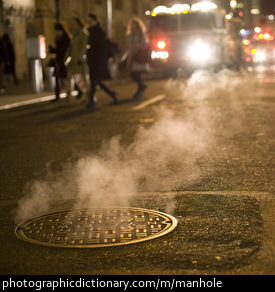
(27,102)
(32,101)
(149,102)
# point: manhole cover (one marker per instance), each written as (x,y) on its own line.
(101,227)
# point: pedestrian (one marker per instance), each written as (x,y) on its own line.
(137,48)
(97,58)
(62,41)
(3,61)
(77,66)
(10,66)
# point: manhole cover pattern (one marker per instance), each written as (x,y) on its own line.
(89,228)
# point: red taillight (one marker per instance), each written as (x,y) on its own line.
(161,44)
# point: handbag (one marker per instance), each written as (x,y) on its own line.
(143,55)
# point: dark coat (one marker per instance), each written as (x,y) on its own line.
(97,54)
(61,48)
(3,51)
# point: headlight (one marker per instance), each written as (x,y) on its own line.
(200,52)
(260,57)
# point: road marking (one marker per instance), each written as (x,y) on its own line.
(32,101)
(148,102)
(27,102)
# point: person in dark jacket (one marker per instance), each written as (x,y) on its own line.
(62,41)
(10,66)
(3,61)
(97,59)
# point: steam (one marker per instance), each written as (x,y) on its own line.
(164,156)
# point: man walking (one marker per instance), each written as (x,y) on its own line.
(3,61)
(97,58)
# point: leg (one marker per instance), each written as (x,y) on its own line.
(93,84)
(2,76)
(137,77)
(108,90)
(57,87)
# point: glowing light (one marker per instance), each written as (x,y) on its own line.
(228,16)
(199,52)
(260,56)
(257,29)
(243,31)
(270,17)
(179,8)
(233,4)
(160,9)
(246,42)
(204,6)
(255,11)
(159,55)
(161,45)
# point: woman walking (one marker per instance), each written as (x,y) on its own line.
(77,52)
(138,53)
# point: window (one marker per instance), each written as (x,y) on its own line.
(197,21)
(163,23)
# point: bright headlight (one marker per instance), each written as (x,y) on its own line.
(200,52)
(260,56)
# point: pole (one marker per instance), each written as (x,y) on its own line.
(109,18)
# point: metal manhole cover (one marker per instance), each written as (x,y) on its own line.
(101,227)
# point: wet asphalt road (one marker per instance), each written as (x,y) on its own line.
(216,177)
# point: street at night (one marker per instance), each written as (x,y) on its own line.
(200,149)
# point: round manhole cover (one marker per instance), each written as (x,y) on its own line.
(101,227)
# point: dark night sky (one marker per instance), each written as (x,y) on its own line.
(268,6)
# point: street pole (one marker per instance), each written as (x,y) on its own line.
(109,18)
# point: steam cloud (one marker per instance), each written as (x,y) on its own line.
(162,157)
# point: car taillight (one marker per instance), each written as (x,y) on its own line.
(161,44)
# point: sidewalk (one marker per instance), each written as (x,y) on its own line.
(23,94)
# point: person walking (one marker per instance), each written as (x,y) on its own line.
(10,66)
(3,61)
(62,41)
(97,58)
(77,64)
(137,47)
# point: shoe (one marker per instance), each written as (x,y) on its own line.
(80,93)
(92,103)
(114,96)
(140,91)
(55,100)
